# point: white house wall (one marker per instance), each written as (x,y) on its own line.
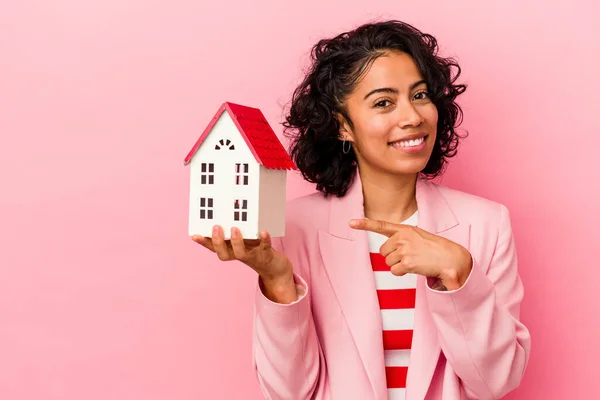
(224,190)
(272,196)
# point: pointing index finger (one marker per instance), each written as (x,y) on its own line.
(377,226)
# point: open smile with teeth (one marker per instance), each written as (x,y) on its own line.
(408,143)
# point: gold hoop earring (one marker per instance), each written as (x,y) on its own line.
(344,147)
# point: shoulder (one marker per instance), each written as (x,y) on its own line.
(473,208)
(460,199)
(311,209)
(305,216)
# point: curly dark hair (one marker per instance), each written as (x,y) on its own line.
(337,64)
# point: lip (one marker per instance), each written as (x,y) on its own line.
(410,137)
(412,149)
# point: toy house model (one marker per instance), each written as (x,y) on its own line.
(238,170)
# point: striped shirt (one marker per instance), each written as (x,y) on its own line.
(396,296)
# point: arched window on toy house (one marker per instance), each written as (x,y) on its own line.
(225,143)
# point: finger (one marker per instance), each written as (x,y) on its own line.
(373,225)
(198,238)
(204,241)
(237,244)
(391,245)
(404,265)
(394,258)
(219,244)
(252,243)
(398,269)
(265,241)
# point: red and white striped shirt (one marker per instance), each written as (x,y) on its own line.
(396,296)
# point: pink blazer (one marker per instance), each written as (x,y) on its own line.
(467,343)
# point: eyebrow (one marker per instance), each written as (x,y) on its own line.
(392,90)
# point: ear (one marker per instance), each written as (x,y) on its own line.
(345,132)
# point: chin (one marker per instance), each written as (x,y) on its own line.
(413,166)
(408,171)
(398,164)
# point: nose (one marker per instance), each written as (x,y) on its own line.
(408,115)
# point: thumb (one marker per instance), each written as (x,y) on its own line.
(265,241)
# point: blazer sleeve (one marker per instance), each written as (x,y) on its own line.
(286,355)
(478,324)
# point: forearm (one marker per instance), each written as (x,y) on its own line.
(287,354)
(484,342)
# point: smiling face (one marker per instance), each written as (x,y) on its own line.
(393,119)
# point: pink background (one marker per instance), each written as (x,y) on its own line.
(103,295)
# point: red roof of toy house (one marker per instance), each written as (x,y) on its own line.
(258,134)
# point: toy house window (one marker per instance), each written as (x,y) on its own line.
(224,144)
(240,211)
(207,173)
(206,208)
(241,174)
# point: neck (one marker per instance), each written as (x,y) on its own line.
(389,198)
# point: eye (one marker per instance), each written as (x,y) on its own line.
(383,103)
(422,95)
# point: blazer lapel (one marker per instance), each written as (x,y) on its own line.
(346,259)
(435,216)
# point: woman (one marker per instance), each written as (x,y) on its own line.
(386,285)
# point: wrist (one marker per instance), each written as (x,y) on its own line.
(277,274)
(280,288)
(450,281)
(455,277)
(279,281)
